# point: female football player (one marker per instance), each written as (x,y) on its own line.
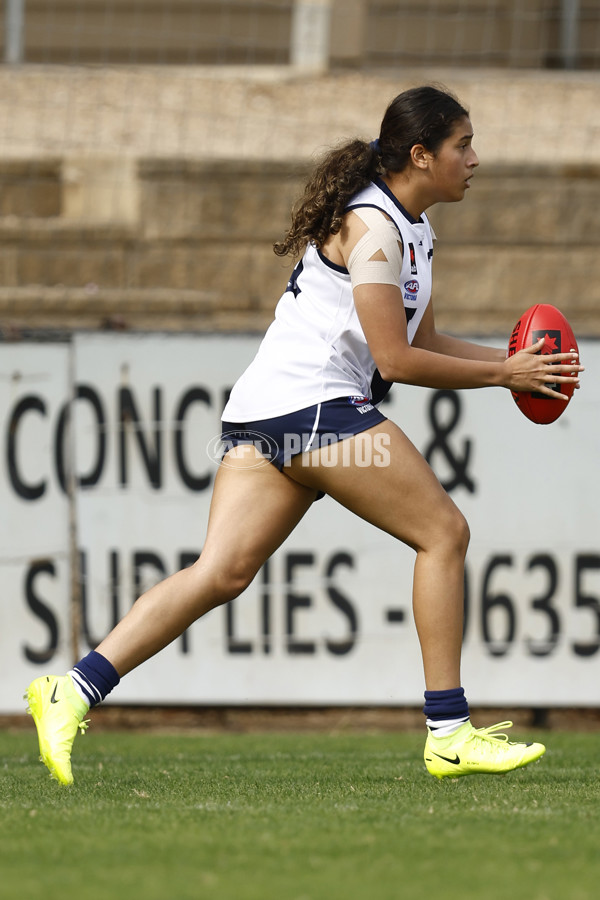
(355,317)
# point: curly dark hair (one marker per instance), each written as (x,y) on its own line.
(423,115)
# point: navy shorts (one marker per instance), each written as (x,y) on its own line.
(280,438)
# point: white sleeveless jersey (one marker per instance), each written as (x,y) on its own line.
(315,349)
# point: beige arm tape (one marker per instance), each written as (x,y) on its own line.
(382,237)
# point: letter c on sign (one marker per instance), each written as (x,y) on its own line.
(21,487)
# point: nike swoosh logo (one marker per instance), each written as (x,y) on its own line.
(53,695)
(447,759)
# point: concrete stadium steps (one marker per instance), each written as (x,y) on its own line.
(193,246)
(39,309)
(238,200)
(108,263)
(523,235)
(30,187)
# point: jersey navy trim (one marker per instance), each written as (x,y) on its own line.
(383,187)
(370,206)
(331,264)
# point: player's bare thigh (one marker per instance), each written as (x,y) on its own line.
(394,487)
(254,507)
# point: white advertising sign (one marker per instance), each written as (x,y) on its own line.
(328,619)
(34,524)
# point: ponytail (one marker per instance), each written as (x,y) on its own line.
(342,173)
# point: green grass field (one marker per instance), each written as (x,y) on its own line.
(294,817)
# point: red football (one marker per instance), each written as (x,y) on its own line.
(542,320)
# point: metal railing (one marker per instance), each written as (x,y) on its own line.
(310,33)
(14,31)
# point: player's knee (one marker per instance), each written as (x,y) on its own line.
(464,535)
(237,579)
(454,531)
(226,582)
(460,532)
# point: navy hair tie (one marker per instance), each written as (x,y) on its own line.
(375,145)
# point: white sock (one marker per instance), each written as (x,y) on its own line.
(444,727)
(78,688)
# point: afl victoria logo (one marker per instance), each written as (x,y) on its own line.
(411,289)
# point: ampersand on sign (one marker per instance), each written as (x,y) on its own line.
(439,443)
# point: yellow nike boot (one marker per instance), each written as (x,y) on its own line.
(58,712)
(470,751)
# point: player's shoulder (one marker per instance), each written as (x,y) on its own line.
(361,221)
(372,216)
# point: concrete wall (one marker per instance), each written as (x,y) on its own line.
(131,239)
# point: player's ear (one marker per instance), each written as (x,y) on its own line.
(421,157)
